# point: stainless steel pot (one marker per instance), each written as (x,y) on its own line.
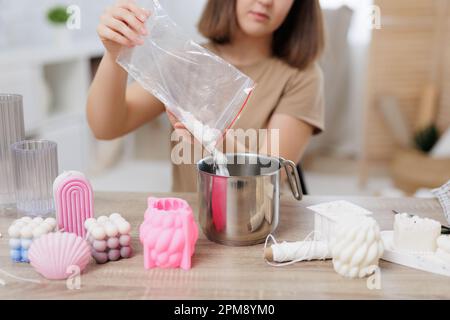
(243,209)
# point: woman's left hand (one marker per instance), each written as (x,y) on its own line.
(180,128)
(176,124)
(183,132)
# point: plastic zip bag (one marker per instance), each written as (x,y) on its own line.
(206,93)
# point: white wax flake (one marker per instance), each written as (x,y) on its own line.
(205,134)
(208,137)
(220,161)
(339,209)
(328,214)
(107,227)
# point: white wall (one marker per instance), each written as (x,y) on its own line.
(23,22)
(186,14)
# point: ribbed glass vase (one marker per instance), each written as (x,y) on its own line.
(36,167)
(11,130)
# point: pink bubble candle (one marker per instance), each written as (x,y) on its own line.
(168,234)
(109,238)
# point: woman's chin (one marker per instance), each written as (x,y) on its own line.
(257,31)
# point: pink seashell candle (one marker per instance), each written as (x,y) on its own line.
(54,255)
(73,201)
(168,234)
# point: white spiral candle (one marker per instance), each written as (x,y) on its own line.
(356,247)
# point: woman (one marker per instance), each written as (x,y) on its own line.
(275,42)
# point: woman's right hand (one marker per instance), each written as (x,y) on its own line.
(122,25)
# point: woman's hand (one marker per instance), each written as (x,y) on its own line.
(176,124)
(122,25)
(185,134)
(180,128)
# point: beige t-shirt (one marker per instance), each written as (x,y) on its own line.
(280,88)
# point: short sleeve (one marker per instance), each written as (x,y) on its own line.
(303,98)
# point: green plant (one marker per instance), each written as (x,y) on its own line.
(58,15)
(426,138)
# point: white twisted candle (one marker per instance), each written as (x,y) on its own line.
(357,247)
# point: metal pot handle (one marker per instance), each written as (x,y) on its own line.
(293,178)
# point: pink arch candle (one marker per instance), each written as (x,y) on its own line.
(73,201)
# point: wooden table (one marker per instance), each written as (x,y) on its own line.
(221,272)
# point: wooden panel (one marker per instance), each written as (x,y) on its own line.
(406,8)
(444,111)
(405,55)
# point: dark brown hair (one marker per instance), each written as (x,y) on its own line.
(299,41)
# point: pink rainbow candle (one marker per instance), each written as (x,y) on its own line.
(168,234)
(73,201)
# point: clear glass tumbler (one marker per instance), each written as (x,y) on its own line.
(12,129)
(36,167)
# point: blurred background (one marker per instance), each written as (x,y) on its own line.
(387,85)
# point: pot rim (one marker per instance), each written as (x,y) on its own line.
(278,159)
